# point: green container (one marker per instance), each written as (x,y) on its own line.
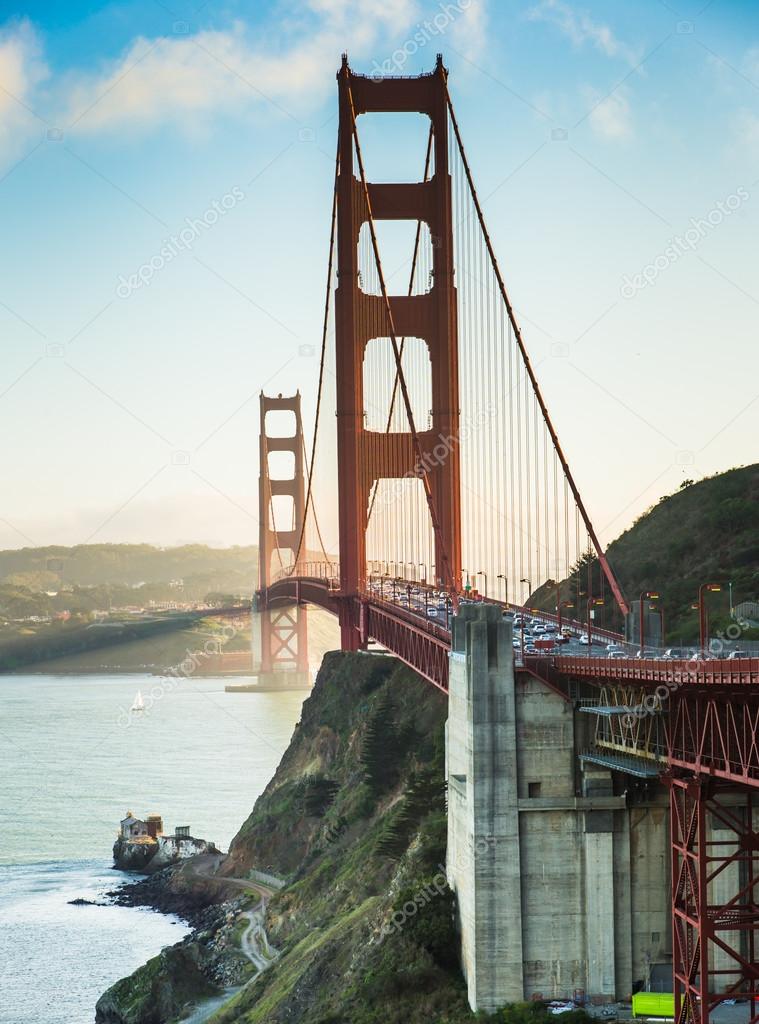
(653,1004)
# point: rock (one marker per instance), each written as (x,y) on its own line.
(146,855)
(159,990)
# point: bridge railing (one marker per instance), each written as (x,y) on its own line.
(317,569)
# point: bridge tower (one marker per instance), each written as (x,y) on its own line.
(366,456)
(284,639)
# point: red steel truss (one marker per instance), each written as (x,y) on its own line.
(715,733)
(421,645)
(715,912)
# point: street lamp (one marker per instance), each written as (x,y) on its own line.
(651,596)
(595,602)
(563,604)
(712,588)
(423,576)
(505,579)
(485,591)
(529,589)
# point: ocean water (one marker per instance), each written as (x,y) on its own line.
(73,760)
(58,959)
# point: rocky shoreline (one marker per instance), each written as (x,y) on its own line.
(162,892)
(205,963)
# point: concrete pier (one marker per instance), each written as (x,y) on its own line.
(561,873)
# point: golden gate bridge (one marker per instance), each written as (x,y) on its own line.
(444,467)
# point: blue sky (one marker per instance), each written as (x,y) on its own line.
(597,132)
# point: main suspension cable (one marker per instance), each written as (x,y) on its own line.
(325,325)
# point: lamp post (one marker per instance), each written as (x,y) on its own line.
(485,591)
(524,605)
(712,588)
(423,575)
(413,567)
(563,604)
(646,595)
(505,579)
(593,602)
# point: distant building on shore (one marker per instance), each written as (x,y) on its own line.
(135,828)
(142,846)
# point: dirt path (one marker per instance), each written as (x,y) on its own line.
(254,943)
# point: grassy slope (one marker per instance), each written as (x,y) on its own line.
(336,964)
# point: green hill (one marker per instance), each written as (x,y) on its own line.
(706,532)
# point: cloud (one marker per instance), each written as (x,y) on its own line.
(612,117)
(185,81)
(185,78)
(22,68)
(580,28)
(468,31)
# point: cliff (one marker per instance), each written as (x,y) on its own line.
(354,822)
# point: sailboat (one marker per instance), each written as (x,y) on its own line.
(138,703)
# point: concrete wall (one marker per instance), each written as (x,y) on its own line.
(561,881)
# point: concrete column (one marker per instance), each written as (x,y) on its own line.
(483,861)
(599,910)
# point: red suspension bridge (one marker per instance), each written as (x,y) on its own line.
(444,468)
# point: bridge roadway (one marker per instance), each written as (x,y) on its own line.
(423,642)
(709,709)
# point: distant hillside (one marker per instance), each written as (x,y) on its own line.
(93,564)
(93,576)
(705,532)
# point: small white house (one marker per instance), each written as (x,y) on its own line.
(133,828)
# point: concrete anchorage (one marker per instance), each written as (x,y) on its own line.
(560,872)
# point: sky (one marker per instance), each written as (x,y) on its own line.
(616,150)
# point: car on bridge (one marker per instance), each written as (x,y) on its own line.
(676,654)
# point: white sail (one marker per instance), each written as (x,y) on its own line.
(139,703)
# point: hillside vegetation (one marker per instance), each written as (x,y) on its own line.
(706,532)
